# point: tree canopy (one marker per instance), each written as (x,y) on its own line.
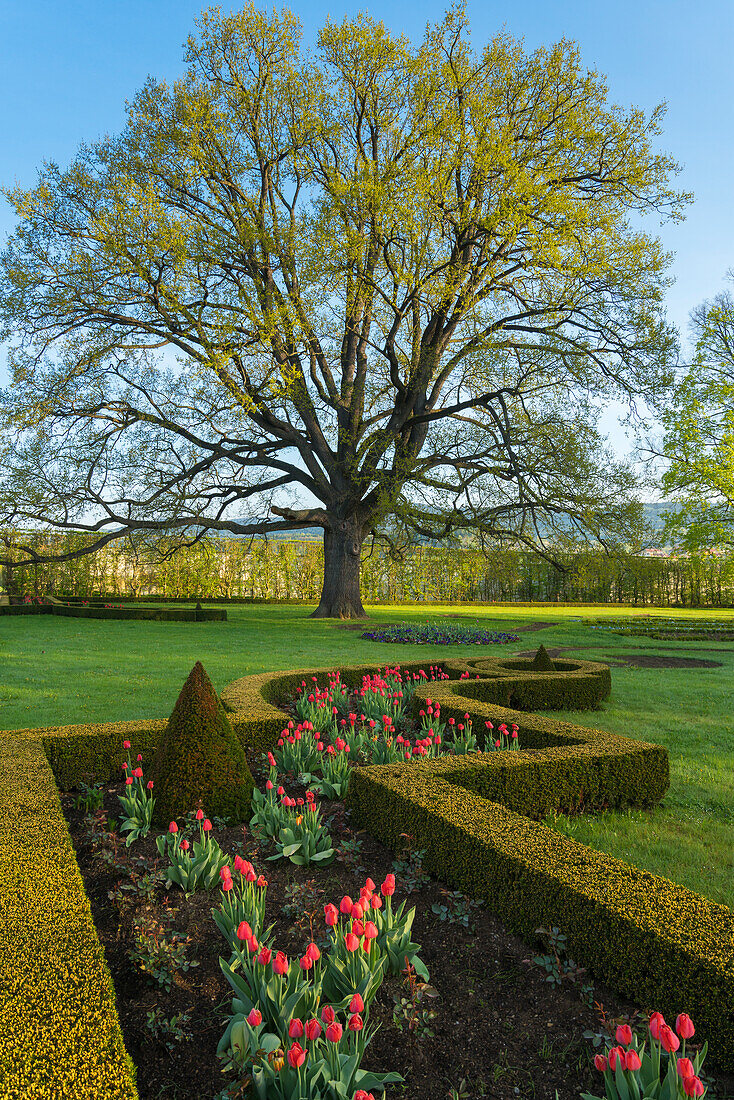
(373,287)
(699,433)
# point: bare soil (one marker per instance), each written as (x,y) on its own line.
(499,1024)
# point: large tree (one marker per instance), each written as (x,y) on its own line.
(698,446)
(374,288)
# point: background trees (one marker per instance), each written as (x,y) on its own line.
(699,433)
(378,289)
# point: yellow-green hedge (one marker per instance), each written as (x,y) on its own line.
(59,1032)
(656,942)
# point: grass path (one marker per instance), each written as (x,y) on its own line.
(57,671)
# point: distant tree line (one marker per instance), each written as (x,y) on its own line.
(292,570)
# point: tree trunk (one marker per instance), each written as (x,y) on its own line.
(340,598)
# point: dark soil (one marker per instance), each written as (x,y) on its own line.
(499,1024)
(652,660)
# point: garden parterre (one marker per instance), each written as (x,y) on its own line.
(630,773)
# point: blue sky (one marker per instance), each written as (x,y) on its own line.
(69,65)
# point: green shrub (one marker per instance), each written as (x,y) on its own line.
(200,758)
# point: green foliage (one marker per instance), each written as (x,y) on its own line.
(699,434)
(199,758)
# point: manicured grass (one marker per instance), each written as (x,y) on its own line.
(57,671)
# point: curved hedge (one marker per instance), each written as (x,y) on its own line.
(658,943)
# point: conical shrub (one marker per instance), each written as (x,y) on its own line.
(200,759)
(541,662)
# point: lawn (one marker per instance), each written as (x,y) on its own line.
(57,671)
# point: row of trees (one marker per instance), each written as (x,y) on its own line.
(292,570)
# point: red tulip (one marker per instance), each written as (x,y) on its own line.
(296,1056)
(149,785)
(265,956)
(685,1067)
(356,1004)
(207,825)
(656,1022)
(334,1032)
(269,785)
(692,1086)
(600,1062)
(357,911)
(684,1026)
(262,882)
(295,1029)
(184,845)
(633,1060)
(199,815)
(624,1034)
(313,1029)
(370,930)
(356,1023)
(331,914)
(313,952)
(351,941)
(370,885)
(376,901)
(126,744)
(357,926)
(616,1054)
(327,1014)
(388,886)
(345,905)
(173,827)
(244,931)
(669,1039)
(128,781)
(255,1018)
(305,963)
(280,966)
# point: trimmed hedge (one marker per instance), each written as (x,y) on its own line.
(59,1031)
(151,614)
(656,942)
(200,758)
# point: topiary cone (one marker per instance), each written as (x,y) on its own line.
(541,662)
(200,758)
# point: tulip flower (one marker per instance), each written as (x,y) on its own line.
(128,781)
(692,1086)
(265,956)
(126,745)
(357,911)
(616,1054)
(684,1026)
(601,1063)
(281,964)
(207,826)
(351,941)
(356,1004)
(244,932)
(656,1022)
(624,1034)
(173,827)
(370,930)
(331,915)
(356,1023)
(376,901)
(685,1067)
(633,1060)
(327,1014)
(669,1039)
(357,927)
(369,884)
(296,1056)
(184,845)
(334,1032)
(345,905)
(313,952)
(295,1029)
(313,1030)
(255,1017)
(199,815)
(305,963)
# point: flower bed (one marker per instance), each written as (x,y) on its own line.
(439,634)
(554,764)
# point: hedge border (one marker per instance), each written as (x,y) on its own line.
(140,614)
(526,872)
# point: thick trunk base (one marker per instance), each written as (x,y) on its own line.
(340,598)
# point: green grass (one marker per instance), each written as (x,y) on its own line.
(57,671)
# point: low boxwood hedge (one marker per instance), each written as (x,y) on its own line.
(150,614)
(476,816)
